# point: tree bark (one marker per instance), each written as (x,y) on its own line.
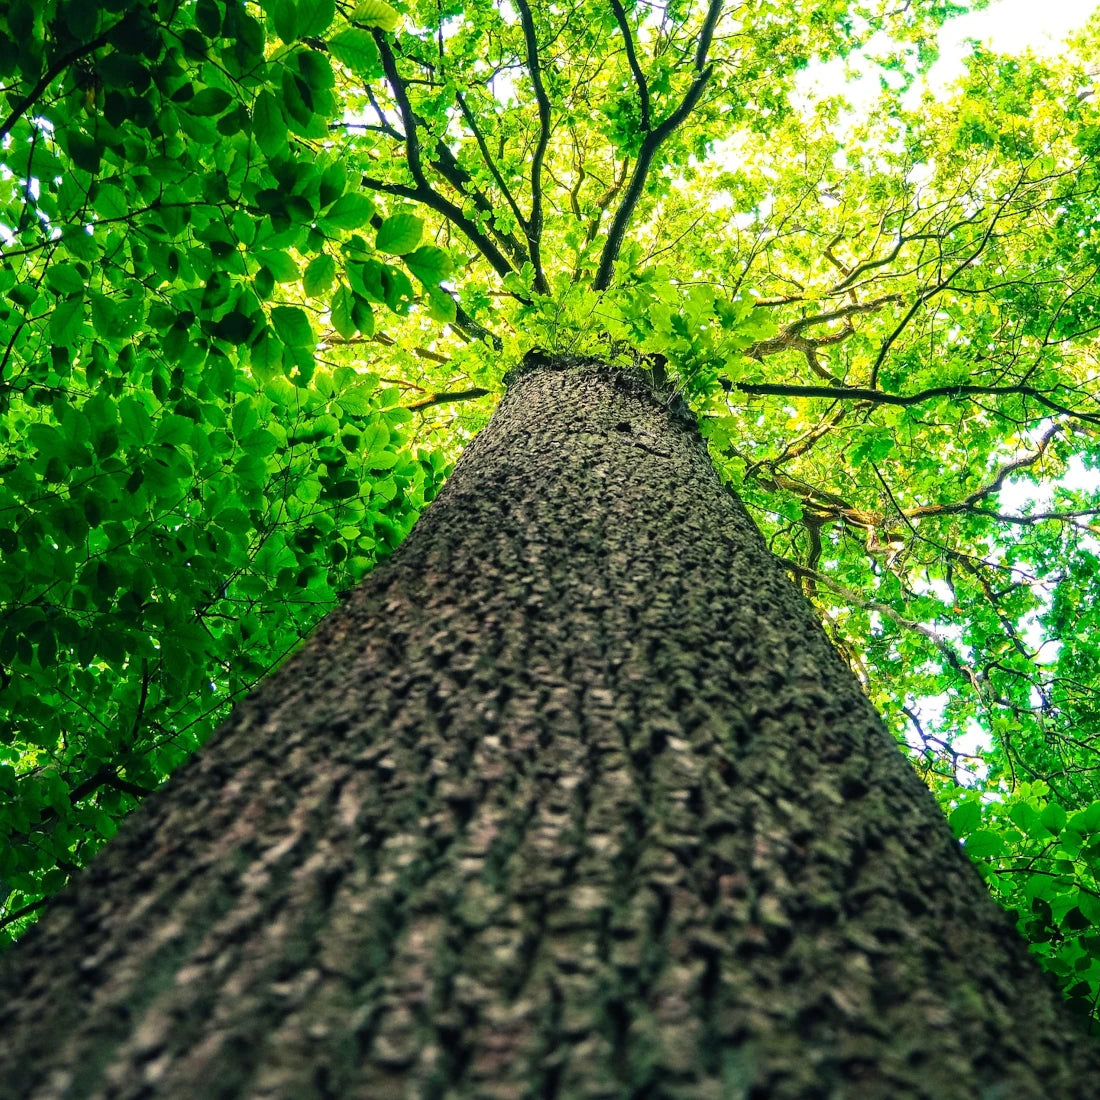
(572,798)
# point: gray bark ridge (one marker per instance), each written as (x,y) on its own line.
(572,798)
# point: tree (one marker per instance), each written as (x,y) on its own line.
(547,808)
(876,332)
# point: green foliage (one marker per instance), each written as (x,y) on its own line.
(243,242)
(187,488)
(1043,864)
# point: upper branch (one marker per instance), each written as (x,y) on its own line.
(791,336)
(944,283)
(447,165)
(651,143)
(490,163)
(993,485)
(423,192)
(632,58)
(534,68)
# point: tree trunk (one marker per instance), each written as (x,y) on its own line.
(572,798)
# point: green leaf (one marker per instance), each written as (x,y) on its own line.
(357,400)
(319,275)
(343,490)
(349,211)
(429,264)
(441,306)
(209,101)
(268,124)
(1087,821)
(135,420)
(355,48)
(282,266)
(343,302)
(292,326)
(1027,818)
(1053,817)
(284,15)
(67,322)
(965,818)
(315,17)
(985,843)
(1090,906)
(376,13)
(399,234)
(65,279)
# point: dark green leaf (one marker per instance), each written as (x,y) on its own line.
(292,326)
(319,274)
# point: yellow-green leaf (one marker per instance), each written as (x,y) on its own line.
(376,13)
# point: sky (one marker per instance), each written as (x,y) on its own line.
(1010,26)
(1006,26)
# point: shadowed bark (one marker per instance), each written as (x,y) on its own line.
(572,798)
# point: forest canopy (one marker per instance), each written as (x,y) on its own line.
(265,265)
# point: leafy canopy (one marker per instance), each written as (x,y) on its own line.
(263,268)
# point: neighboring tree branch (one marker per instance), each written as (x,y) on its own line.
(461,180)
(943,284)
(534,68)
(650,144)
(992,486)
(790,336)
(475,330)
(386,126)
(1042,517)
(885,610)
(431,198)
(126,786)
(605,201)
(11,918)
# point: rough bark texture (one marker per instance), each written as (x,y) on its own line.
(571,799)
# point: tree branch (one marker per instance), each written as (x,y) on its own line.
(424,192)
(632,59)
(461,180)
(992,486)
(534,68)
(943,284)
(487,157)
(650,144)
(127,787)
(873,605)
(790,336)
(47,78)
(446,398)
(475,330)
(431,198)
(858,393)
(11,918)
